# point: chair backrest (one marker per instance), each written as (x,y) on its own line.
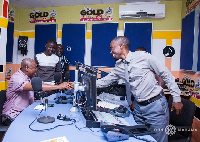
(2,100)
(185,118)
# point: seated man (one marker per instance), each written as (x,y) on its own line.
(64,63)
(20,94)
(48,63)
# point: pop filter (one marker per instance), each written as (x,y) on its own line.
(36,83)
(57,77)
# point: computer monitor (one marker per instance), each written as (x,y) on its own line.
(89,81)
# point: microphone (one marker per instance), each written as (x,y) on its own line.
(36,83)
(57,77)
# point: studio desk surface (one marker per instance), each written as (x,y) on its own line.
(19,130)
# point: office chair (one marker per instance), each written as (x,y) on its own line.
(183,120)
(3,127)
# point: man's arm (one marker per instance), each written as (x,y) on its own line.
(178,107)
(169,79)
(59,69)
(160,81)
(46,87)
(107,80)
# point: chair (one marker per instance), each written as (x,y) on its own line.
(3,127)
(182,121)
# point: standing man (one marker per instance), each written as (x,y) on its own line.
(64,63)
(48,63)
(150,105)
(19,94)
(158,78)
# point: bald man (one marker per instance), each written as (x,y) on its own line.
(20,94)
(150,105)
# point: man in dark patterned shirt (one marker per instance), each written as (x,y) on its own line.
(64,63)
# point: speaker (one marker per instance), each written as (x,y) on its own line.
(22,44)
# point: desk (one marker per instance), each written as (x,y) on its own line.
(19,130)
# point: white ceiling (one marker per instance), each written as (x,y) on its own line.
(26,4)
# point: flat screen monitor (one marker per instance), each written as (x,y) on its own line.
(89,81)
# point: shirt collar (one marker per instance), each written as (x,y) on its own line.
(128,57)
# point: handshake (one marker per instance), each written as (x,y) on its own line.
(37,85)
(66,85)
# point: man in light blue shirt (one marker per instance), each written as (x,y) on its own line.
(150,105)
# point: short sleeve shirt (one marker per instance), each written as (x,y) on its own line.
(47,66)
(17,99)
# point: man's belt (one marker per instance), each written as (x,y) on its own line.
(144,103)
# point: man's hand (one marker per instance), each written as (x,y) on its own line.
(67,85)
(177,106)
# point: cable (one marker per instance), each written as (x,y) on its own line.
(143,139)
(42,130)
(91,131)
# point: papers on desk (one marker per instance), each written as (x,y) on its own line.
(39,107)
(110,98)
(59,139)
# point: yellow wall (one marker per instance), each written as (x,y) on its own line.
(71,14)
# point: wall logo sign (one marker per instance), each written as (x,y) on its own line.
(11,14)
(8,74)
(91,14)
(191,86)
(37,16)
(191,4)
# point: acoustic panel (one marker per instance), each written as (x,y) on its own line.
(42,34)
(198,64)
(139,35)
(102,35)
(73,41)
(187,40)
(10,41)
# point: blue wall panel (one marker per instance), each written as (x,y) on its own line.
(102,35)
(10,40)
(139,35)
(42,34)
(187,40)
(73,36)
(198,64)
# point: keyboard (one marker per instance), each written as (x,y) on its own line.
(109,118)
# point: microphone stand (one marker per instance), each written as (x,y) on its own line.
(76,86)
(46,119)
